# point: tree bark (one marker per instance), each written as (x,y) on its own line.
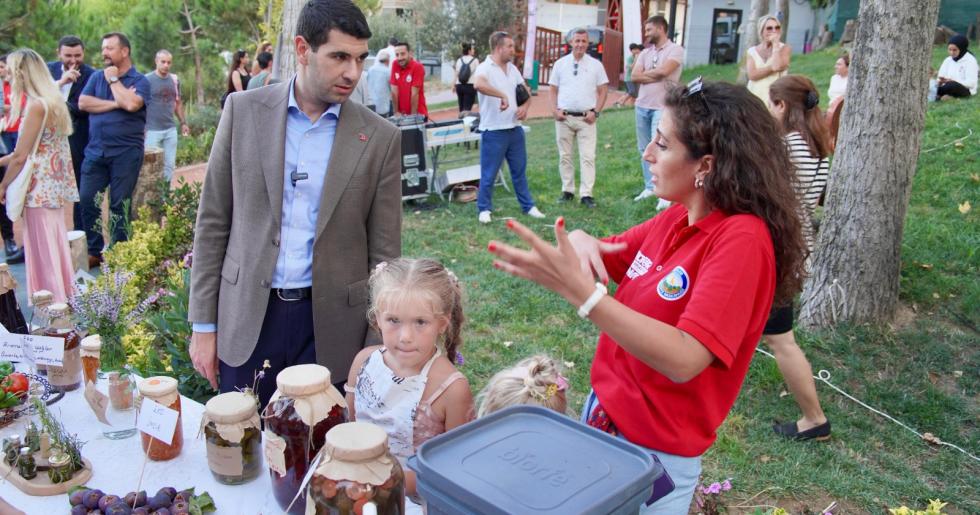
(285,52)
(192,30)
(750,33)
(857,261)
(782,7)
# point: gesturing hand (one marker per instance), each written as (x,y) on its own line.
(562,268)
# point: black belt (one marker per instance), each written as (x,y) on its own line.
(576,113)
(293,294)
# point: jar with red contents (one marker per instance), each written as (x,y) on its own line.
(297,418)
(356,469)
(163,391)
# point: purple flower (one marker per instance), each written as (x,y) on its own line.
(726,485)
(459,359)
(188,259)
(715,488)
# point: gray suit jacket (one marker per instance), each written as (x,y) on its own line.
(236,243)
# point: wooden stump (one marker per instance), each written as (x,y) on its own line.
(147,186)
(79,250)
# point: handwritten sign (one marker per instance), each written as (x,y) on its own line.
(43,350)
(98,401)
(157,420)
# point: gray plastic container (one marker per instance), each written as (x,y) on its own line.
(529,460)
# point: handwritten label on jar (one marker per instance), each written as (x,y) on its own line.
(70,371)
(225,461)
(157,420)
(275,452)
(44,350)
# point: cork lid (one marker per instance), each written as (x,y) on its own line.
(231,407)
(356,441)
(92,342)
(58,309)
(158,386)
(299,380)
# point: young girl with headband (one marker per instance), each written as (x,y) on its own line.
(535,381)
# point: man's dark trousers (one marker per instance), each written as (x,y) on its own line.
(119,173)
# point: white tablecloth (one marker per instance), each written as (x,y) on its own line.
(117,463)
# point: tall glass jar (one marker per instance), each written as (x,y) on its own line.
(68,376)
(41,300)
(91,355)
(162,390)
(297,418)
(356,469)
(233,434)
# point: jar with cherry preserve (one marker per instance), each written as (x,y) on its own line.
(305,406)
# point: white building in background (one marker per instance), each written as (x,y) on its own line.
(564,17)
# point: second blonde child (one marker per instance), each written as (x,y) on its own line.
(535,381)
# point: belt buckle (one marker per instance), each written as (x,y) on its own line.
(286,299)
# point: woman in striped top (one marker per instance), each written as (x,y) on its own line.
(793,101)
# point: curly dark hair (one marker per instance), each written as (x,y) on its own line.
(752,173)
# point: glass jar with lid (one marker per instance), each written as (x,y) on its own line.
(232,431)
(355,469)
(59,467)
(68,376)
(305,406)
(91,355)
(163,391)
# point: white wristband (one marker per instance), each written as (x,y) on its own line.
(586,307)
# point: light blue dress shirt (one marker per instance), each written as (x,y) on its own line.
(308,148)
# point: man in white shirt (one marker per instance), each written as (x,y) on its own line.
(496,80)
(578,88)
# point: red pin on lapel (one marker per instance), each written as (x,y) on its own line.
(361,136)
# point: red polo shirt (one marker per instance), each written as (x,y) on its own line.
(715,281)
(413,75)
(12,126)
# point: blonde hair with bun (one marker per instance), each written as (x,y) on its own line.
(535,381)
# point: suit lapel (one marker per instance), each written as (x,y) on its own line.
(269,122)
(349,143)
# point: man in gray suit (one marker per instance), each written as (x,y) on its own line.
(302,199)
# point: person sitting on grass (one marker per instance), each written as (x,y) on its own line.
(958,73)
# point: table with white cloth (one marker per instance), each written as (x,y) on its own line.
(117,463)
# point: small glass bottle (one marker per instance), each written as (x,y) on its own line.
(91,355)
(59,467)
(42,299)
(162,390)
(68,376)
(26,466)
(233,434)
(357,469)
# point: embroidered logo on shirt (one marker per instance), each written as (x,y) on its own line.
(641,265)
(408,79)
(674,285)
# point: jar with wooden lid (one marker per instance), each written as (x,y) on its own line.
(356,469)
(91,358)
(297,418)
(162,390)
(233,437)
(68,376)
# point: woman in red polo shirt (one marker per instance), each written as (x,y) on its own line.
(696,282)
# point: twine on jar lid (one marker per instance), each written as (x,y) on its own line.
(232,413)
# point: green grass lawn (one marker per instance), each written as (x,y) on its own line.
(924,370)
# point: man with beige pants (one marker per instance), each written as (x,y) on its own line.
(579,88)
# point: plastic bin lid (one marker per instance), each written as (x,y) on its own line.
(531,460)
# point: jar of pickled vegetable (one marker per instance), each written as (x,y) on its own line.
(162,390)
(297,418)
(355,469)
(68,376)
(59,467)
(91,354)
(233,434)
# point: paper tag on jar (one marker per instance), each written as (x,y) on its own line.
(98,401)
(306,479)
(275,452)
(225,461)
(157,420)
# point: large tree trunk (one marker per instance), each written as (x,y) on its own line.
(750,34)
(782,7)
(285,51)
(857,261)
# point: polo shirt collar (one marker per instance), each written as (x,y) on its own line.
(334,108)
(705,225)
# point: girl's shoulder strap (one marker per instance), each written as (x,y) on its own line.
(455,376)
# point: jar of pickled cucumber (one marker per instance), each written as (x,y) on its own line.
(355,469)
(233,435)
